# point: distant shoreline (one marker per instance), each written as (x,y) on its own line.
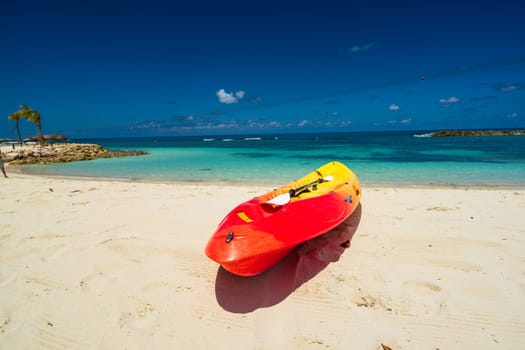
(21,171)
(448,133)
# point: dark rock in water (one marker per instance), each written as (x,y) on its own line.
(445,133)
(62,153)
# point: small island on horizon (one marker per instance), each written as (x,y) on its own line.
(505,132)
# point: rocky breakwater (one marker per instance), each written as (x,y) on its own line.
(62,153)
(445,133)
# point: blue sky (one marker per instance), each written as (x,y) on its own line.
(125,68)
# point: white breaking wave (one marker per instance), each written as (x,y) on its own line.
(429,134)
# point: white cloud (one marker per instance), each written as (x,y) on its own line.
(508,87)
(405,121)
(148,124)
(303,123)
(360,48)
(393,107)
(229,124)
(225,97)
(512,116)
(256,124)
(340,124)
(448,101)
(229,97)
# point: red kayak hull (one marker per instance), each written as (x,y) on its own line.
(256,234)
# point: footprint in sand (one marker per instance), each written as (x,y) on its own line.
(142,316)
(4,321)
(369,301)
(441,208)
(422,288)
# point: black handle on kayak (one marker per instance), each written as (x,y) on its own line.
(285,197)
(295,191)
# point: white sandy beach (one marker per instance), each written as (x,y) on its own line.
(94,264)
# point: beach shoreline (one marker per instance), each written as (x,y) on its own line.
(19,169)
(92,263)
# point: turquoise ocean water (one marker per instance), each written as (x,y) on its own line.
(378,158)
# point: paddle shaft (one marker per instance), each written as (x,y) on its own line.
(295,191)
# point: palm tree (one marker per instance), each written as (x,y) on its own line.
(16,117)
(34,116)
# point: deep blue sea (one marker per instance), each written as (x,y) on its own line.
(378,158)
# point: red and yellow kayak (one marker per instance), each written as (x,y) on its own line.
(258,233)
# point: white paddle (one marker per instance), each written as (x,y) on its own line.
(285,197)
